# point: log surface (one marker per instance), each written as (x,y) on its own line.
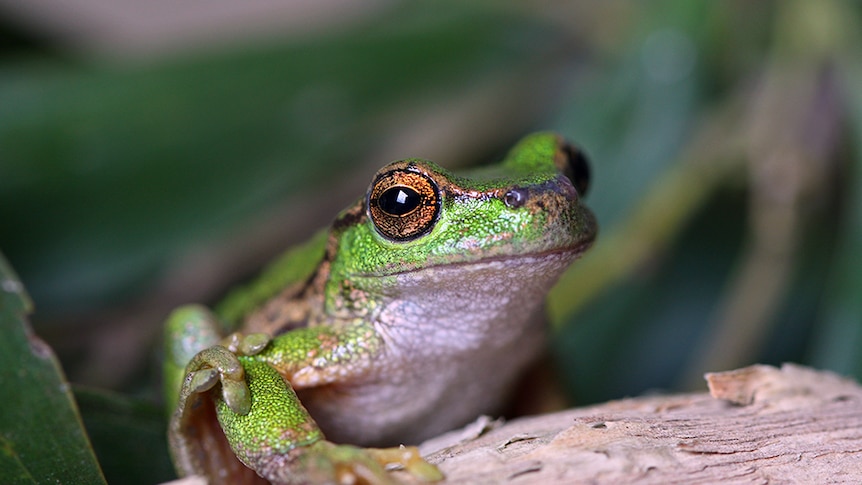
(758,425)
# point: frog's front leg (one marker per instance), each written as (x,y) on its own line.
(282,443)
(194,363)
(240,408)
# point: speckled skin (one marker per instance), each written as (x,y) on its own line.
(385,341)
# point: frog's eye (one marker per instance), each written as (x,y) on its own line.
(403,204)
(576,168)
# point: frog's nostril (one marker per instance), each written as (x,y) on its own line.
(515,198)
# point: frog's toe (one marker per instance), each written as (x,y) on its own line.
(236,395)
(218,364)
(203,380)
(407,457)
(369,465)
(419,468)
(248,344)
(358,472)
(344,464)
(253,343)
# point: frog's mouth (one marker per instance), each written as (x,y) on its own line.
(493,288)
(564,255)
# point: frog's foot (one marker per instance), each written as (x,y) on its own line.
(280,441)
(408,458)
(326,462)
(248,344)
(218,365)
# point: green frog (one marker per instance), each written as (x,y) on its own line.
(414,313)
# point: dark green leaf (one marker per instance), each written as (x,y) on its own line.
(42,437)
(128,436)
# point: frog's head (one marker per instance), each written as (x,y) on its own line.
(417,216)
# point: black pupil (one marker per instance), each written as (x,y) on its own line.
(399,201)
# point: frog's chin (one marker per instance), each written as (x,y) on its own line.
(506,288)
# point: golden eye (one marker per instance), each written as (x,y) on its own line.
(403,204)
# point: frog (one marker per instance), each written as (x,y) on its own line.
(414,313)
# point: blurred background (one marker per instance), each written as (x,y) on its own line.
(156,153)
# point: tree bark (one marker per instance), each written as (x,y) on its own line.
(759,424)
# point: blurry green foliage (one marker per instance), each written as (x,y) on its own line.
(725,140)
(42,439)
(106,170)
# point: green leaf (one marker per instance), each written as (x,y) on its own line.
(43,440)
(128,435)
(111,168)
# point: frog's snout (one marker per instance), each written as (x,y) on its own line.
(566,188)
(561,186)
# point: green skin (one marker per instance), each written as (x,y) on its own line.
(386,339)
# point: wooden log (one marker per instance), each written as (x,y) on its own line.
(759,425)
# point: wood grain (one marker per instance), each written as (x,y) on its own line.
(760,425)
